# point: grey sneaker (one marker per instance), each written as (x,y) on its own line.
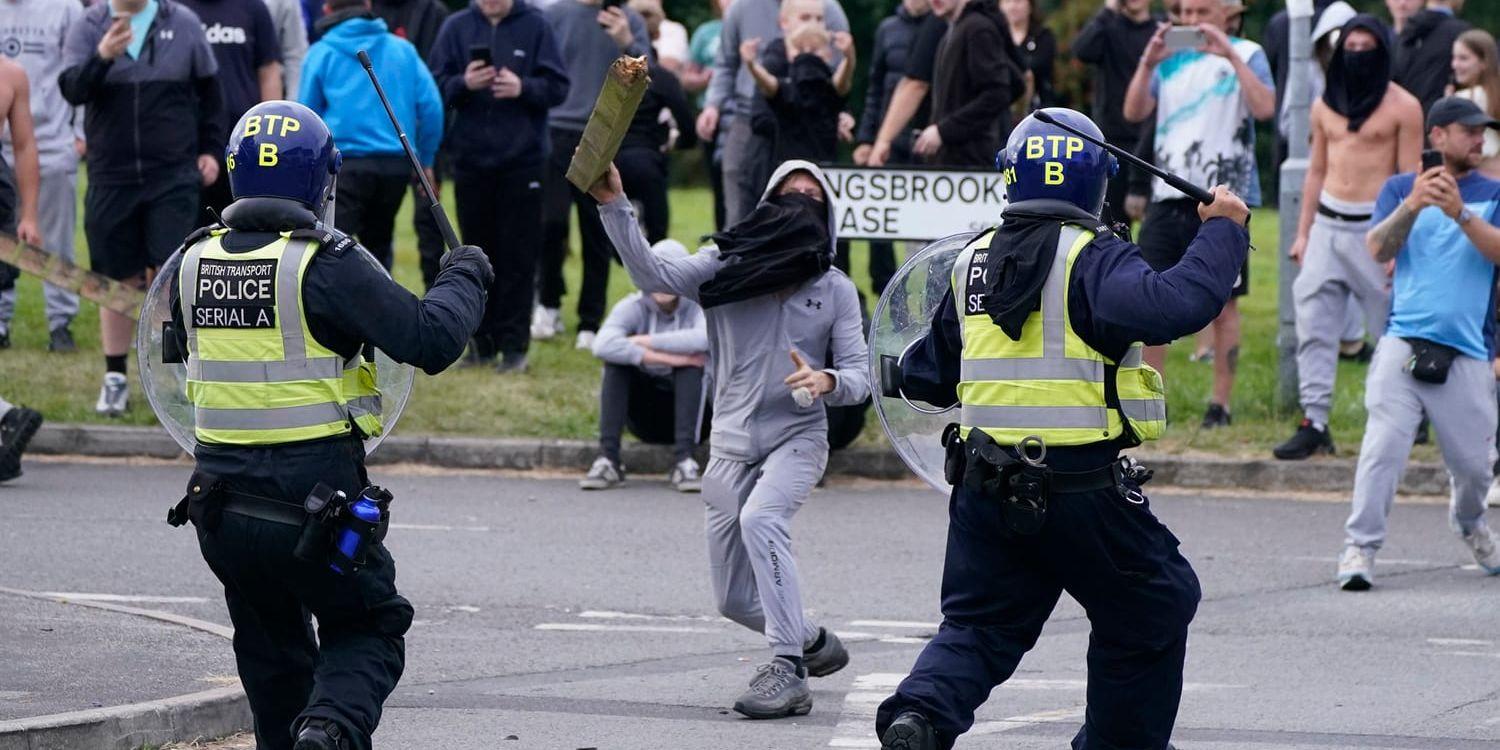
(910,731)
(1483,544)
(827,658)
(1356,569)
(114,395)
(514,363)
(685,476)
(777,691)
(603,475)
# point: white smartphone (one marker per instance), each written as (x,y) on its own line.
(1179,38)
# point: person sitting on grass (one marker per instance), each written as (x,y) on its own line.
(654,347)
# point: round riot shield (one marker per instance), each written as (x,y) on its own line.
(903,316)
(165,382)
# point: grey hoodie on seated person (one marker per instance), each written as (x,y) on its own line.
(750,341)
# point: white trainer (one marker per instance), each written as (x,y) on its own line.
(114,395)
(585,340)
(1483,544)
(1356,569)
(546,322)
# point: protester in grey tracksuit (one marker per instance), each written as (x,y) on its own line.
(766,453)
(37,29)
(746,155)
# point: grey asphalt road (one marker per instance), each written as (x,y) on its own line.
(552,618)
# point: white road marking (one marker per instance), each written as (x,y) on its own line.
(899,624)
(589,627)
(1459,642)
(1489,654)
(856,727)
(124,598)
(605,614)
(436,527)
(1055,716)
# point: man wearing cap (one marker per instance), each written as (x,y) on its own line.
(1440,228)
(1364,129)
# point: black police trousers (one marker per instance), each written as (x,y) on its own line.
(345,674)
(1113,556)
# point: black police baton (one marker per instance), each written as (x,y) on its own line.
(1192,191)
(449,237)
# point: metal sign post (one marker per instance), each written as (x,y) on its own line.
(1298,106)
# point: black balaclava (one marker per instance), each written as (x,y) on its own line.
(783,242)
(1357,81)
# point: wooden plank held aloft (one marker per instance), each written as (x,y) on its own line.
(107,293)
(624,85)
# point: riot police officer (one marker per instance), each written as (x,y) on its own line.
(1039,342)
(274,312)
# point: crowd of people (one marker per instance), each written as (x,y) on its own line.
(495,98)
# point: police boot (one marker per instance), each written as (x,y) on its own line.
(321,734)
(910,731)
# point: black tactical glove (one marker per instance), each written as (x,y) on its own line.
(470,256)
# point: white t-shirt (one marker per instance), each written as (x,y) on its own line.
(671,41)
(1204,131)
(1491,138)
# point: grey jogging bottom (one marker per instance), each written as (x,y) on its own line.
(57,217)
(1462,411)
(1337,269)
(748,517)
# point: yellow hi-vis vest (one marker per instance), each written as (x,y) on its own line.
(255,374)
(1049,383)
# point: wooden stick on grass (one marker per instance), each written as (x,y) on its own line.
(624,85)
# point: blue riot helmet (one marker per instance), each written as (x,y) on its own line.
(282,149)
(1043,161)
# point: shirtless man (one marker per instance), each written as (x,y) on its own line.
(15,113)
(1364,129)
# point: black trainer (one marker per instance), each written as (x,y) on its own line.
(910,731)
(1307,441)
(16,431)
(61,341)
(1216,416)
(4,339)
(320,734)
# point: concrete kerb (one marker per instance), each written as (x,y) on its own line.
(525,454)
(209,713)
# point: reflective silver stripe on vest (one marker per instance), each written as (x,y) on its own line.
(289,301)
(188,296)
(1089,370)
(321,368)
(1038,417)
(365,405)
(284,418)
(1055,296)
(1132,358)
(1144,409)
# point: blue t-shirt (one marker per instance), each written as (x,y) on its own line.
(1444,288)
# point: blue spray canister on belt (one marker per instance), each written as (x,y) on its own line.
(361,524)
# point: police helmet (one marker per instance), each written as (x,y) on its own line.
(1044,161)
(281,149)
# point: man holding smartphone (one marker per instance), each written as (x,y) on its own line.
(1439,227)
(499,70)
(1206,100)
(1364,129)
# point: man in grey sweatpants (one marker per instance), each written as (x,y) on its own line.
(1441,229)
(769,442)
(36,30)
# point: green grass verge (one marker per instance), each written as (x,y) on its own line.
(558,398)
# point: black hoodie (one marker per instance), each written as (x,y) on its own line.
(416,21)
(1424,54)
(1358,81)
(976,77)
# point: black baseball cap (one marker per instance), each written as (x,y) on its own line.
(1456,109)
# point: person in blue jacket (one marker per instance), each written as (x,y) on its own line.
(1039,338)
(376,173)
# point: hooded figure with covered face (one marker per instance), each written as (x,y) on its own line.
(784,332)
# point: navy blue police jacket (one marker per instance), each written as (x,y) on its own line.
(1114,300)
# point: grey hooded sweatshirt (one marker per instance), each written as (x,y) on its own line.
(750,341)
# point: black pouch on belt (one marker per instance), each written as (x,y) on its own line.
(1430,361)
(953,461)
(1025,505)
(316,541)
(203,504)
